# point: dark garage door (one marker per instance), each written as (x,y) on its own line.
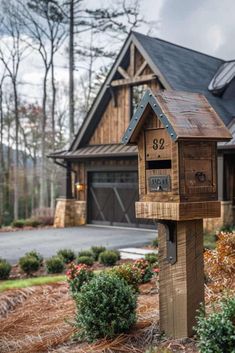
(111,199)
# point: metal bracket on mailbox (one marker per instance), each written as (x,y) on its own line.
(171,241)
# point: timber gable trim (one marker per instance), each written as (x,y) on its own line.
(105,94)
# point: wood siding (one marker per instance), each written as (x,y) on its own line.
(115,119)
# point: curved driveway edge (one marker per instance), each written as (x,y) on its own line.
(13,245)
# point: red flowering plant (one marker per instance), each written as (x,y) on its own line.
(77,275)
(145,269)
(131,275)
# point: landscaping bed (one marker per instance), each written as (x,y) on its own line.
(42,318)
(45,323)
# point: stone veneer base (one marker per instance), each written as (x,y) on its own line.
(69,213)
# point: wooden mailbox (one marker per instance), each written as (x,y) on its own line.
(177,134)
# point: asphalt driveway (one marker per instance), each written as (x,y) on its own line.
(13,245)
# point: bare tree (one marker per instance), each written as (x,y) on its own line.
(12,52)
(43,25)
(1,148)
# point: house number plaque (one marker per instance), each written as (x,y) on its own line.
(160,183)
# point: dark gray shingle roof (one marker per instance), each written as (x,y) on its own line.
(187,70)
(183,69)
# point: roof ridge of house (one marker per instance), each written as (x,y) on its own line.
(181,46)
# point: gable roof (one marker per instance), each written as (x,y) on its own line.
(184,115)
(177,68)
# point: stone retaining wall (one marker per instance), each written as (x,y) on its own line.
(69,213)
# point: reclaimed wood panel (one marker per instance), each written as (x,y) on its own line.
(198,157)
(181,284)
(192,116)
(158,144)
(177,211)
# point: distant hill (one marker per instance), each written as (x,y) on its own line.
(12,151)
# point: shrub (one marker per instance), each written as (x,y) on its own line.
(155,243)
(106,306)
(19,223)
(37,256)
(86,260)
(55,264)
(108,258)
(67,255)
(46,220)
(87,253)
(5,269)
(118,254)
(146,270)
(152,258)
(77,275)
(130,274)
(29,264)
(32,223)
(96,251)
(216,332)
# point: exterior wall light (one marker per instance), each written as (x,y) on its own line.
(79,186)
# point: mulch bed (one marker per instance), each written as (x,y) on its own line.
(40,319)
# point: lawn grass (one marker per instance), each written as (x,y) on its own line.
(209,241)
(28,282)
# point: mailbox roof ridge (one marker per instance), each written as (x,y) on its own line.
(185,115)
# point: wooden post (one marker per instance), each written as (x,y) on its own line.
(69,194)
(181,284)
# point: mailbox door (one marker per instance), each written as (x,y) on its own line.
(198,177)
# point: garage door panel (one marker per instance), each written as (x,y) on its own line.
(102,204)
(111,198)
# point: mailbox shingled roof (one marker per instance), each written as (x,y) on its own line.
(184,115)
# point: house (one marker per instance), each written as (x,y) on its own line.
(102,180)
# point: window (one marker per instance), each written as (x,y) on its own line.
(137,93)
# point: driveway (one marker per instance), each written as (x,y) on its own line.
(13,245)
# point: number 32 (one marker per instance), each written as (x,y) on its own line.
(158,144)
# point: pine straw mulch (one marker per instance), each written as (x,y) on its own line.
(39,319)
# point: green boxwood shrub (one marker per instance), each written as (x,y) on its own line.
(108,258)
(55,265)
(31,223)
(155,243)
(106,306)
(152,258)
(29,264)
(216,331)
(118,253)
(18,223)
(5,269)
(37,256)
(87,253)
(86,260)
(97,250)
(67,255)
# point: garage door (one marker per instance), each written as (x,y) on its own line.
(111,199)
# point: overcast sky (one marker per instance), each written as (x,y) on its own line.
(204,25)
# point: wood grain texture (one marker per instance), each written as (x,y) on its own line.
(191,116)
(158,144)
(177,211)
(198,157)
(181,284)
